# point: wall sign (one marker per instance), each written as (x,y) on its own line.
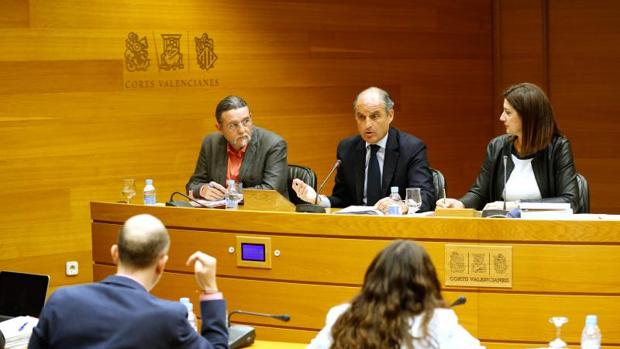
(169,60)
(478,265)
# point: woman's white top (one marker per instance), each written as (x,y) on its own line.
(522,183)
(443,327)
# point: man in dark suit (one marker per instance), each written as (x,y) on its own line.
(378,158)
(119,312)
(251,155)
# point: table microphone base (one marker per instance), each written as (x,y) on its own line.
(309,208)
(494,213)
(240,336)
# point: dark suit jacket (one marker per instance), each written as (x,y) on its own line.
(553,168)
(119,313)
(264,165)
(405,166)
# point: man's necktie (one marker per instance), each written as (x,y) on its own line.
(373,184)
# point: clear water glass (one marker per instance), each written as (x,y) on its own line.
(234,194)
(129,189)
(558,321)
(413,199)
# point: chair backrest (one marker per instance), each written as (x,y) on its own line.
(439,182)
(305,174)
(584,194)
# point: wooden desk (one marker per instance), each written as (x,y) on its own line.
(569,268)
(277,345)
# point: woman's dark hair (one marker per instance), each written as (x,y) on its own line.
(537,118)
(400,283)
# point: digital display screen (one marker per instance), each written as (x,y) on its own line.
(253,252)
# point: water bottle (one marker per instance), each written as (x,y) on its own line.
(591,334)
(191,317)
(149,193)
(233,196)
(394,202)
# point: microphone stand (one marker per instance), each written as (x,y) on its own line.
(315,207)
(499,213)
(182,203)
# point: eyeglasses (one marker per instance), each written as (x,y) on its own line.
(236,125)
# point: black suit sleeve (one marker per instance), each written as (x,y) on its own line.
(478,194)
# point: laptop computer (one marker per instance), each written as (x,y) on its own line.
(22,294)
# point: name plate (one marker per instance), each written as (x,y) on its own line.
(478,266)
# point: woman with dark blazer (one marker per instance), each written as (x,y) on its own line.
(539,161)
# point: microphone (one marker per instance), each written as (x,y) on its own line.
(499,213)
(240,336)
(459,301)
(316,208)
(170,202)
(505,159)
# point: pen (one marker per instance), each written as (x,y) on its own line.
(22,326)
(444,197)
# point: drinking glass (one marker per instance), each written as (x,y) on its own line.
(129,189)
(558,321)
(234,195)
(413,199)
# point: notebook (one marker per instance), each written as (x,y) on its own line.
(22,294)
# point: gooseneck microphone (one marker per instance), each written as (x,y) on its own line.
(459,301)
(505,159)
(316,208)
(281,317)
(318,192)
(497,213)
(243,335)
(182,203)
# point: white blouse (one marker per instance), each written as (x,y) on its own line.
(443,327)
(522,183)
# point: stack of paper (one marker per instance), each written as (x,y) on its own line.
(360,210)
(17,331)
(546,210)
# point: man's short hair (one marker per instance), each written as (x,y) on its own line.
(385,96)
(228,103)
(141,241)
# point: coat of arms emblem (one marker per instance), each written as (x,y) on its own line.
(457,262)
(171,58)
(500,264)
(205,55)
(136,53)
(479,265)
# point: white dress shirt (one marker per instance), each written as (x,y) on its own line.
(324,201)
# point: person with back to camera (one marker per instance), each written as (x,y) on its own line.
(539,166)
(120,311)
(400,306)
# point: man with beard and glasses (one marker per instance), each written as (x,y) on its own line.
(240,151)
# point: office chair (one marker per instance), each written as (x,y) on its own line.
(439,182)
(584,194)
(305,174)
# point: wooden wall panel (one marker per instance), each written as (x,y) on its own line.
(71,129)
(14,14)
(520,48)
(569,48)
(583,63)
